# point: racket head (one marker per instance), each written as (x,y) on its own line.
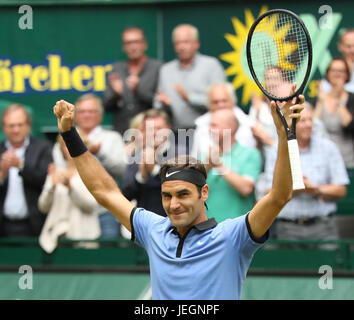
(279,53)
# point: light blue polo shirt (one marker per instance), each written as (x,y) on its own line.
(209,263)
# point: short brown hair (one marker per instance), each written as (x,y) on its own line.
(89,96)
(183,162)
(157,113)
(133,28)
(347,70)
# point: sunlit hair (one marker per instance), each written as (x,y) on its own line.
(229,89)
(137,120)
(193,29)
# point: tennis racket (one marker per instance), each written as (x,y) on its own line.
(279,54)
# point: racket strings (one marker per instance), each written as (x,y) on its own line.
(279,53)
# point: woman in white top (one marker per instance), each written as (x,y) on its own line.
(72,210)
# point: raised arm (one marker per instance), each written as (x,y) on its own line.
(95,177)
(266,210)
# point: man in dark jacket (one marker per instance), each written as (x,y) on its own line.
(24,162)
(132,83)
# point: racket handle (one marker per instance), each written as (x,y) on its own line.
(295,164)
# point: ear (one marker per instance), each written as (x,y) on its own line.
(205,192)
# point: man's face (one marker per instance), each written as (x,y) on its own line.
(222,127)
(304,126)
(185,45)
(219,99)
(346,46)
(16,128)
(155,131)
(272,80)
(134,44)
(182,203)
(87,115)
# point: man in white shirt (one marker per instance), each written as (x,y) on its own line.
(221,96)
(24,162)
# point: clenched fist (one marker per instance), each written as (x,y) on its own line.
(65,113)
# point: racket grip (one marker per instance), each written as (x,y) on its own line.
(295,165)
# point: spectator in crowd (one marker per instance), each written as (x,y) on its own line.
(72,210)
(23,169)
(345,46)
(134,137)
(133,82)
(183,81)
(309,214)
(263,129)
(336,109)
(221,96)
(141,180)
(106,145)
(233,169)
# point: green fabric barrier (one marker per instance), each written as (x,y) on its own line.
(296,288)
(74,286)
(128,286)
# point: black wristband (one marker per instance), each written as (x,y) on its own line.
(73,142)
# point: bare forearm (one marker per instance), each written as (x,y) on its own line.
(267,209)
(94,176)
(282,179)
(332,192)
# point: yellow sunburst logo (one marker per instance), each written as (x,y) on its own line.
(237,58)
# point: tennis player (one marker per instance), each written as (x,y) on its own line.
(191,257)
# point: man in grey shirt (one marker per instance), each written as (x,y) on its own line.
(132,83)
(183,82)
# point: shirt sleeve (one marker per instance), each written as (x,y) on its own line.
(142,221)
(239,231)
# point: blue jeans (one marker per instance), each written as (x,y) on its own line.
(109,225)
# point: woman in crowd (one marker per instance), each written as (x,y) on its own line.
(72,210)
(336,109)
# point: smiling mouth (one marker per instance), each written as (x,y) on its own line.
(176,213)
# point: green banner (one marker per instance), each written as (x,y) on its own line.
(53,51)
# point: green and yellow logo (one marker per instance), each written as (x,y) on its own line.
(238,69)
